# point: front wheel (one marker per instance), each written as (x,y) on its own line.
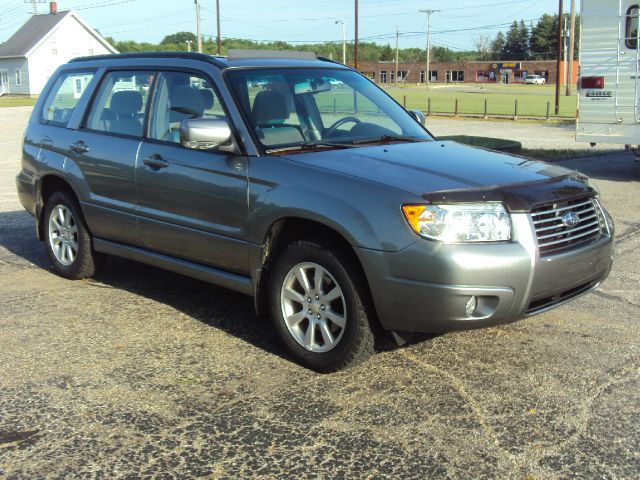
(67,240)
(317,302)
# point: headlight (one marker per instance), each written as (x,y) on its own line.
(461,222)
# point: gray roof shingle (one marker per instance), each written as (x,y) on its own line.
(30,34)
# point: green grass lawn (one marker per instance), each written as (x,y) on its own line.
(17,102)
(532,99)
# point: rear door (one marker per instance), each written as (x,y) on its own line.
(106,147)
(192,203)
(629,45)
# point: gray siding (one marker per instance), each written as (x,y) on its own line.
(11,65)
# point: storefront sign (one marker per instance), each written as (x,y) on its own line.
(508,66)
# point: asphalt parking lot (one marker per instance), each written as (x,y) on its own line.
(143,373)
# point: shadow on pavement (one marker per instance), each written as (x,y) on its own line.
(214,306)
(217,307)
(616,167)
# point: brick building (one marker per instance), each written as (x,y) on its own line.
(464,72)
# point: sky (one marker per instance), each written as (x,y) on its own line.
(302,21)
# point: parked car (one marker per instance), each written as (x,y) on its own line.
(335,209)
(535,80)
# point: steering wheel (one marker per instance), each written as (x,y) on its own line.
(332,129)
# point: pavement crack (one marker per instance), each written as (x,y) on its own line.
(460,387)
(614,298)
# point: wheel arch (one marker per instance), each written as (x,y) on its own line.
(46,186)
(282,233)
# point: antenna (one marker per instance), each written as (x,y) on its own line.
(34,4)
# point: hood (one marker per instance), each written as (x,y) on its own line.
(448,171)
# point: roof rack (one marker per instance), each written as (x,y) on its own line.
(123,56)
(238,54)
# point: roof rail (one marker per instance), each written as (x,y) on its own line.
(237,54)
(329,60)
(123,56)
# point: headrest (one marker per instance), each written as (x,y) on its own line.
(269,108)
(186,101)
(126,101)
(207,98)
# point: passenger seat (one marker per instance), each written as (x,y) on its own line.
(125,106)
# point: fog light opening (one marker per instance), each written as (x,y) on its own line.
(472,304)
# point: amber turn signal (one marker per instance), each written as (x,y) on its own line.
(412,214)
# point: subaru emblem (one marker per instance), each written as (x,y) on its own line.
(570,219)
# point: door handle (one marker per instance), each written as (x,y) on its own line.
(79,147)
(156,162)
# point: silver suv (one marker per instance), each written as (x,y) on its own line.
(301,183)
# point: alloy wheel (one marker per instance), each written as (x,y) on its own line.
(313,307)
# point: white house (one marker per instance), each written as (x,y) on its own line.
(41,45)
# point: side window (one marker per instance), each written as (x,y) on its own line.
(631,35)
(181,96)
(64,96)
(121,102)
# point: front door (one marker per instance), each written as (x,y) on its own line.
(192,203)
(4,81)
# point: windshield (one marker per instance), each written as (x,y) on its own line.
(315,107)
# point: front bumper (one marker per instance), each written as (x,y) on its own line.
(428,287)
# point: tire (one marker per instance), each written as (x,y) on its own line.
(331,331)
(66,238)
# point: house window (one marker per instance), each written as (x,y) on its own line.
(402,76)
(54,51)
(631,35)
(383,76)
(18,78)
(433,74)
(457,76)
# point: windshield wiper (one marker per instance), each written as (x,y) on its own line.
(388,138)
(312,145)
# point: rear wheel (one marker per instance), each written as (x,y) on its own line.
(317,304)
(67,240)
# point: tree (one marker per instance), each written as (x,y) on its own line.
(387,54)
(483,46)
(498,46)
(544,38)
(179,38)
(517,43)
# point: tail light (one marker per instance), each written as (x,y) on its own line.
(592,82)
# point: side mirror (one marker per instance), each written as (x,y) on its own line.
(207,134)
(419,117)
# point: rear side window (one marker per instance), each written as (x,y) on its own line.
(121,103)
(631,35)
(64,96)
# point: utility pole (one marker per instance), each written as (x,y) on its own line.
(397,54)
(565,38)
(559,59)
(355,44)
(572,47)
(218,24)
(189,42)
(344,41)
(199,31)
(426,73)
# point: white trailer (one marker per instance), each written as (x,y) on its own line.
(609,102)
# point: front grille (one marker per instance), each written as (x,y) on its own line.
(554,235)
